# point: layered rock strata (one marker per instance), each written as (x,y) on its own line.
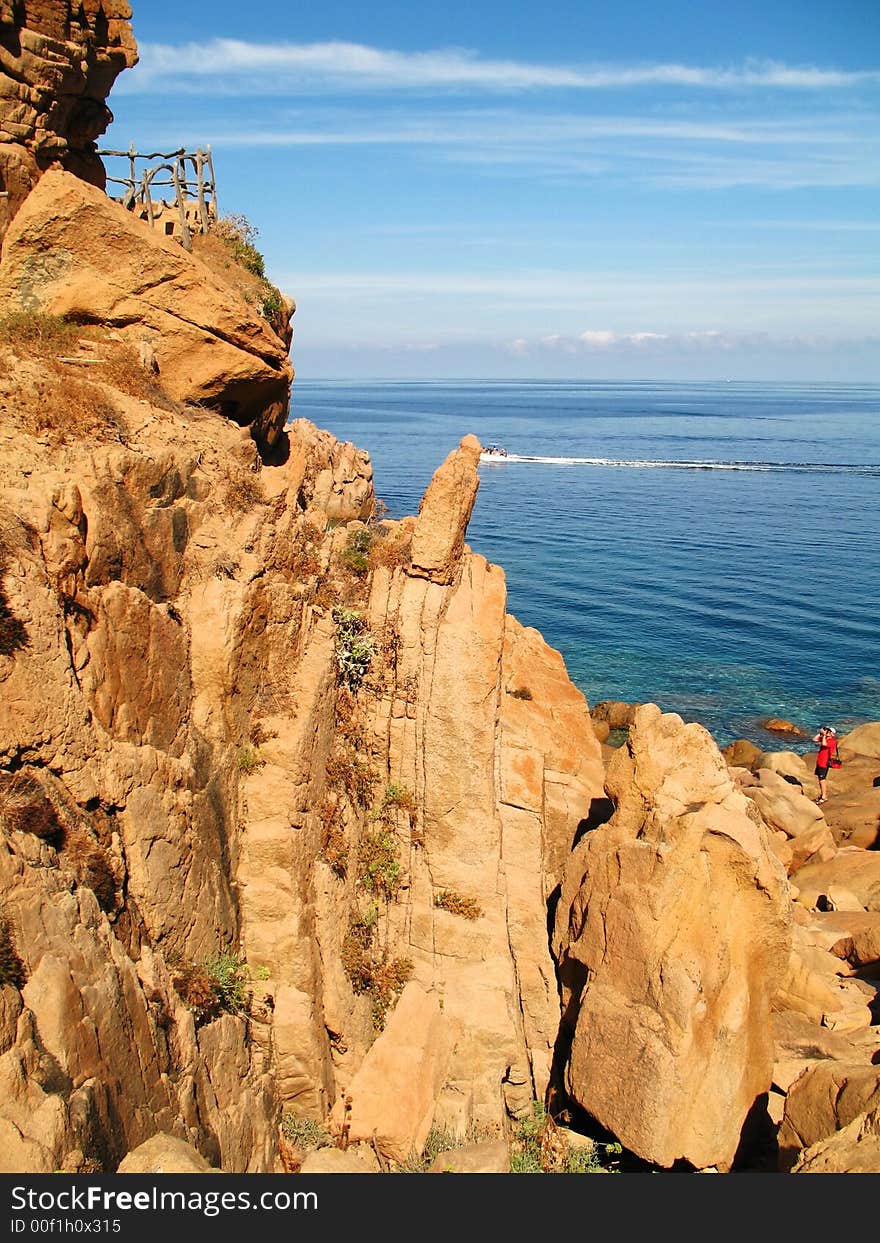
(58,62)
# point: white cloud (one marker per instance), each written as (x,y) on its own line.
(802,150)
(604,340)
(225,65)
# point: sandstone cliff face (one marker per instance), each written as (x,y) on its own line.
(175,698)
(71,251)
(58,62)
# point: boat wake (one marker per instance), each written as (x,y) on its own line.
(835,468)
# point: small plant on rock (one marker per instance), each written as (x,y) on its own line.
(354,647)
(249,759)
(244,490)
(304,1133)
(215,986)
(387,551)
(399,798)
(522,692)
(370,970)
(347,771)
(25,808)
(354,556)
(333,844)
(239,235)
(467,908)
(92,865)
(12,970)
(379,863)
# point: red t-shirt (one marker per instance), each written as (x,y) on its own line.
(828,748)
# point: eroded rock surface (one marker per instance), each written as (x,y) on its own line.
(673,932)
(58,62)
(74,252)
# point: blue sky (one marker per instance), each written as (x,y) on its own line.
(681,190)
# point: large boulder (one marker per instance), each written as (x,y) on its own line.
(785,809)
(778,725)
(488,1157)
(325,474)
(741,753)
(614,713)
(164,1154)
(672,934)
(72,251)
(444,514)
(826,1098)
(790,765)
(863,740)
(853,1150)
(799,1043)
(393,1096)
(335,1161)
(853,869)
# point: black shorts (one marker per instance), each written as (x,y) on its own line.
(821,772)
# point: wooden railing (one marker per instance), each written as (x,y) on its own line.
(195,190)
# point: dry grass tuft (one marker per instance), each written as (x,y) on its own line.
(390,552)
(31,334)
(244,490)
(13,631)
(467,908)
(91,865)
(68,401)
(333,845)
(370,970)
(347,771)
(25,808)
(12,969)
(62,409)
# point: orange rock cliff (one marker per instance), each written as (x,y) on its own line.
(289,801)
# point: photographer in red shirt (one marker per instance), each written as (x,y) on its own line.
(827,740)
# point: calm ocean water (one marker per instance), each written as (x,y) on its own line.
(713,548)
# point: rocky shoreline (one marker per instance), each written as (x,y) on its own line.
(313,857)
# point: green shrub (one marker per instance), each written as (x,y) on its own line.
(272,308)
(215,986)
(249,759)
(355,555)
(379,863)
(540,1148)
(238,234)
(305,1133)
(354,647)
(522,692)
(526,1155)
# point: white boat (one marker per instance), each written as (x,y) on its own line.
(493,453)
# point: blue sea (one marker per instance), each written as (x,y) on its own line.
(712,548)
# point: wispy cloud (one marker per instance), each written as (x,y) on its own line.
(708,341)
(230,65)
(808,149)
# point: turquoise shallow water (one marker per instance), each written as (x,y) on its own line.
(714,548)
